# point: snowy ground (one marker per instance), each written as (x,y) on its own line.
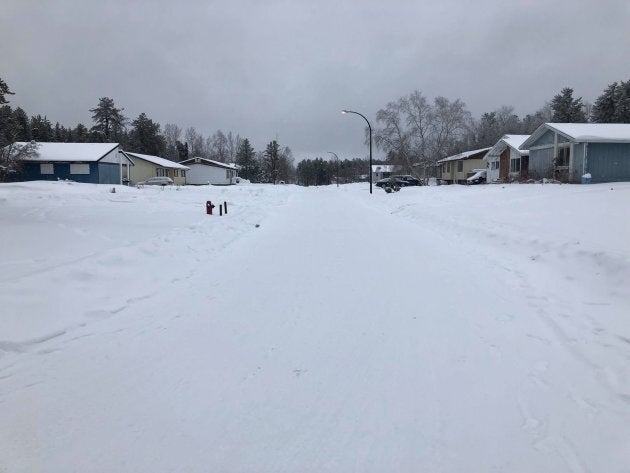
(439,329)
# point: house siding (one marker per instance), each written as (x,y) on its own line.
(608,162)
(577,162)
(200,174)
(108,173)
(545,139)
(32,172)
(541,163)
(504,164)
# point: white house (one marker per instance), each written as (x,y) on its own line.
(506,161)
(206,171)
(381,171)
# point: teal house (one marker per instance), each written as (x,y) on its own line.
(568,151)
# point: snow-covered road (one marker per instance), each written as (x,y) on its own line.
(436,329)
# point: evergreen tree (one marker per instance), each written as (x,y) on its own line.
(182,150)
(246,158)
(23,126)
(145,137)
(272,159)
(7,126)
(41,128)
(108,120)
(604,106)
(566,109)
(4,90)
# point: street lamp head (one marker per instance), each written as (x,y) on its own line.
(344,112)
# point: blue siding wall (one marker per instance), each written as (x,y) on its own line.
(108,173)
(578,162)
(608,162)
(61,171)
(545,139)
(541,163)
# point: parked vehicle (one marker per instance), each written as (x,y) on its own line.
(390,182)
(409,180)
(157,181)
(478,178)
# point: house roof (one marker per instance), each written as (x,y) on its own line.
(585,132)
(210,162)
(165,163)
(464,155)
(512,141)
(385,167)
(70,152)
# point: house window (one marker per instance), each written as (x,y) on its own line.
(176,173)
(563,156)
(46,168)
(494,165)
(79,169)
(515,165)
(183,173)
(160,172)
(460,166)
(448,167)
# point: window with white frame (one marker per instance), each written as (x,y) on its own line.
(494,165)
(515,164)
(183,173)
(160,172)
(460,166)
(448,167)
(46,168)
(175,172)
(79,168)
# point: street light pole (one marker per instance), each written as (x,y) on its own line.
(370,128)
(337,163)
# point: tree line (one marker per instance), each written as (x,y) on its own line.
(145,136)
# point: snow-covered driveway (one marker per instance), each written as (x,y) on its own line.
(432,330)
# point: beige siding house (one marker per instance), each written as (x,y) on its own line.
(456,168)
(145,166)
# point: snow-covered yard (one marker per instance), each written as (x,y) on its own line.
(446,329)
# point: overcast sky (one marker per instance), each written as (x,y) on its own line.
(284,69)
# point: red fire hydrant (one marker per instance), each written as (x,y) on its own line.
(209,207)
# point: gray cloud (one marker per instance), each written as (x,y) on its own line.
(281,68)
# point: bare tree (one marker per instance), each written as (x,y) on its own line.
(172,134)
(393,137)
(448,125)
(414,131)
(219,147)
(195,142)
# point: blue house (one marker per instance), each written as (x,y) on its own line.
(567,151)
(96,163)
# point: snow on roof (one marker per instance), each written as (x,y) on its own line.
(586,132)
(210,162)
(464,155)
(71,152)
(600,132)
(513,141)
(385,168)
(165,163)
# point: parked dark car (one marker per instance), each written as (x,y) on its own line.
(408,179)
(390,182)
